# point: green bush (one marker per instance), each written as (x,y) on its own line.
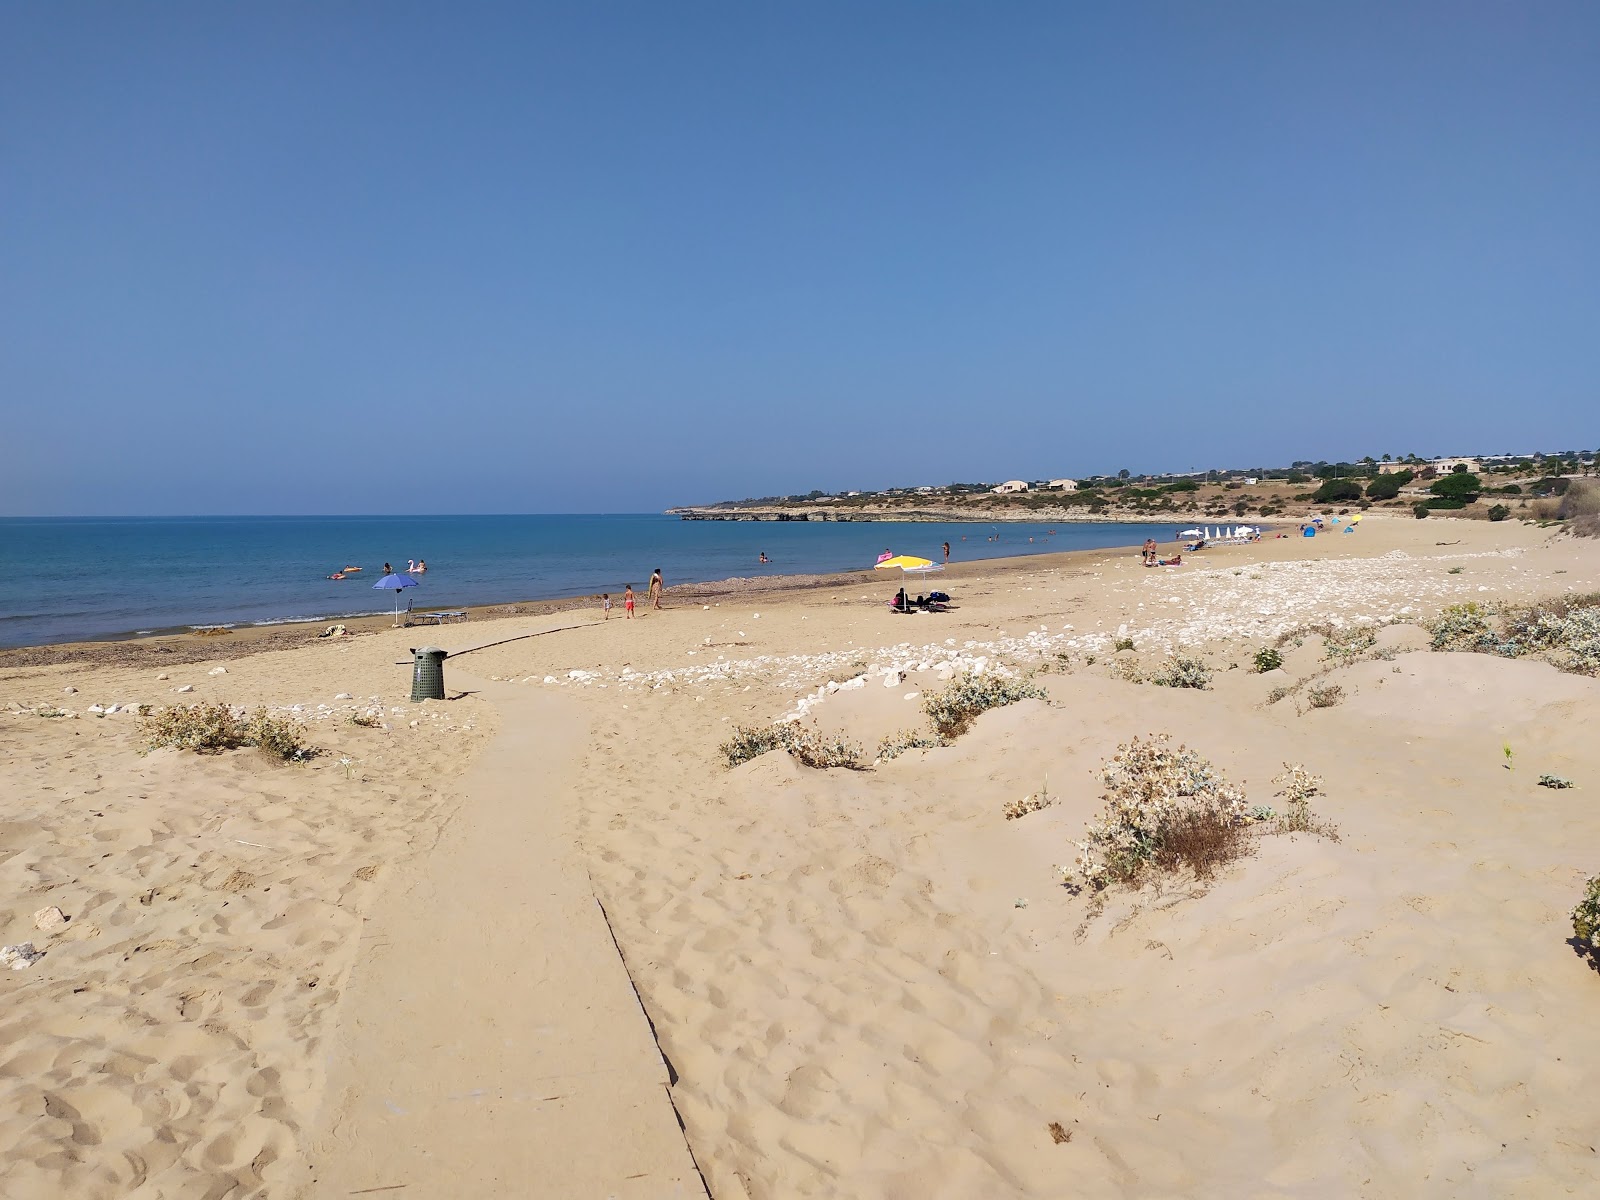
(953,710)
(1267,659)
(1499,512)
(1419,510)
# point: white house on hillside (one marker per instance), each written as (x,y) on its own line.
(1011,485)
(1064,485)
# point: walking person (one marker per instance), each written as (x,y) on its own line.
(656,588)
(627,601)
(605,604)
(947,553)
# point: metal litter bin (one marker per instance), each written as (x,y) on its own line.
(427,673)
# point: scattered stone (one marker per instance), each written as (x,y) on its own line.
(344,696)
(19,957)
(188,687)
(163,676)
(49,917)
(71,691)
(217,671)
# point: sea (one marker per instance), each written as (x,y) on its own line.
(90,578)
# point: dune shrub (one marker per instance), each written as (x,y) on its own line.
(1498,512)
(1297,786)
(1554,781)
(1564,630)
(1267,659)
(1419,510)
(896,744)
(1586,916)
(1347,645)
(213,728)
(953,710)
(1457,623)
(1324,695)
(1580,507)
(1182,672)
(1163,807)
(807,744)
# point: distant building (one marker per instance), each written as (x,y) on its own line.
(1064,485)
(1446,465)
(1394,468)
(924,491)
(1012,485)
(1251,480)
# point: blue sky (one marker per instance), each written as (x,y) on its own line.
(609,257)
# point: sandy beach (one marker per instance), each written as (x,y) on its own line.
(504,943)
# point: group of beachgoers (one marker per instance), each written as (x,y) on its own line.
(414,566)
(652,595)
(1151,556)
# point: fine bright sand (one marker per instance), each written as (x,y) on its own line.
(386,968)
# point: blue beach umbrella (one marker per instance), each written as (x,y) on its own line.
(395,584)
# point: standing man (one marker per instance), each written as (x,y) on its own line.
(947,553)
(656,587)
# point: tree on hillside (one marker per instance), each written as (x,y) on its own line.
(1387,487)
(1336,491)
(1458,485)
(1123,474)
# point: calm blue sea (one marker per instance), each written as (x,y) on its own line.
(74,579)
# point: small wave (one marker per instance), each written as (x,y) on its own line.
(338,616)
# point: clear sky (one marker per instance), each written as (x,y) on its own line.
(365,257)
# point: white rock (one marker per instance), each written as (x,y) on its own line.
(549,678)
(50,917)
(911,695)
(20,956)
(188,687)
(163,676)
(71,691)
(344,696)
(217,671)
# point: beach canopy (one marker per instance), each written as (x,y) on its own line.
(1190,533)
(395,584)
(907,562)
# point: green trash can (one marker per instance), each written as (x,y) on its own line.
(427,673)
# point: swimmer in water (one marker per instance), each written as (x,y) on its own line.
(337,575)
(764,557)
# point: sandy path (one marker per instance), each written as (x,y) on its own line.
(491,1042)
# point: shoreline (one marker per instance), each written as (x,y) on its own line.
(196,645)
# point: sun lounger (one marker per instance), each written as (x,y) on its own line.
(439,618)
